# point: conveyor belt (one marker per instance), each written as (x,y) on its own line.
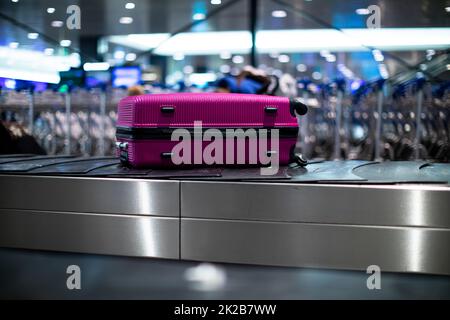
(339,215)
(341,172)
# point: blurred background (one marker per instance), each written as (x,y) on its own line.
(376,91)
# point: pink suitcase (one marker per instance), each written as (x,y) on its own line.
(146,124)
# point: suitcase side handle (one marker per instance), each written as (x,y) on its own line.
(166,155)
(270,109)
(167,109)
(297,107)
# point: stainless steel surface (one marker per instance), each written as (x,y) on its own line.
(401,228)
(90,233)
(90,195)
(401,205)
(422,250)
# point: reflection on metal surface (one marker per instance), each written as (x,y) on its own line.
(415,250)
(426,206)
(94,195)
(401,228)
(150,244)
(90,233)
(416,207)
(394,249)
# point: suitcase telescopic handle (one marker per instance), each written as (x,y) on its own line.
(297,107)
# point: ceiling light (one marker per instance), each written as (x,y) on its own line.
(202,79)
(272,41)
(49,51)
(119,55)
(378,55)
(317,75)
(65,43)
(51,10)
(363,11)
(57,24)
(239,42)
(188,69)
(274,55)
(130,56)
(330,58)
(178,56)
(33,65)
(130,6)
(284,58)
(301,68)
(355,85)
(126,20)
(47,77)
(447,9)
(383,71)
(216,1)
(225,68)
(198,16)
(141,42)
(96,66)
(74,60)
(33,35)
(10,84)
(14,45)
(15,1)
(324,53)
(149,77)
(279,14)
(345,71)
(225,55)
(238,59)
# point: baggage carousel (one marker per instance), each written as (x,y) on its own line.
(343,215)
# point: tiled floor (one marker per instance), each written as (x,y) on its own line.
(42,275)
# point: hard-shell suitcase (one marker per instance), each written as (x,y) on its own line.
(147,125)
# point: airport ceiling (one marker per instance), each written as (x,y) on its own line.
(101,17)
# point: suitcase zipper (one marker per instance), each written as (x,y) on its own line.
(166,133)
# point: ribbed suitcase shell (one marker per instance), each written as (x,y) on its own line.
(214,110)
